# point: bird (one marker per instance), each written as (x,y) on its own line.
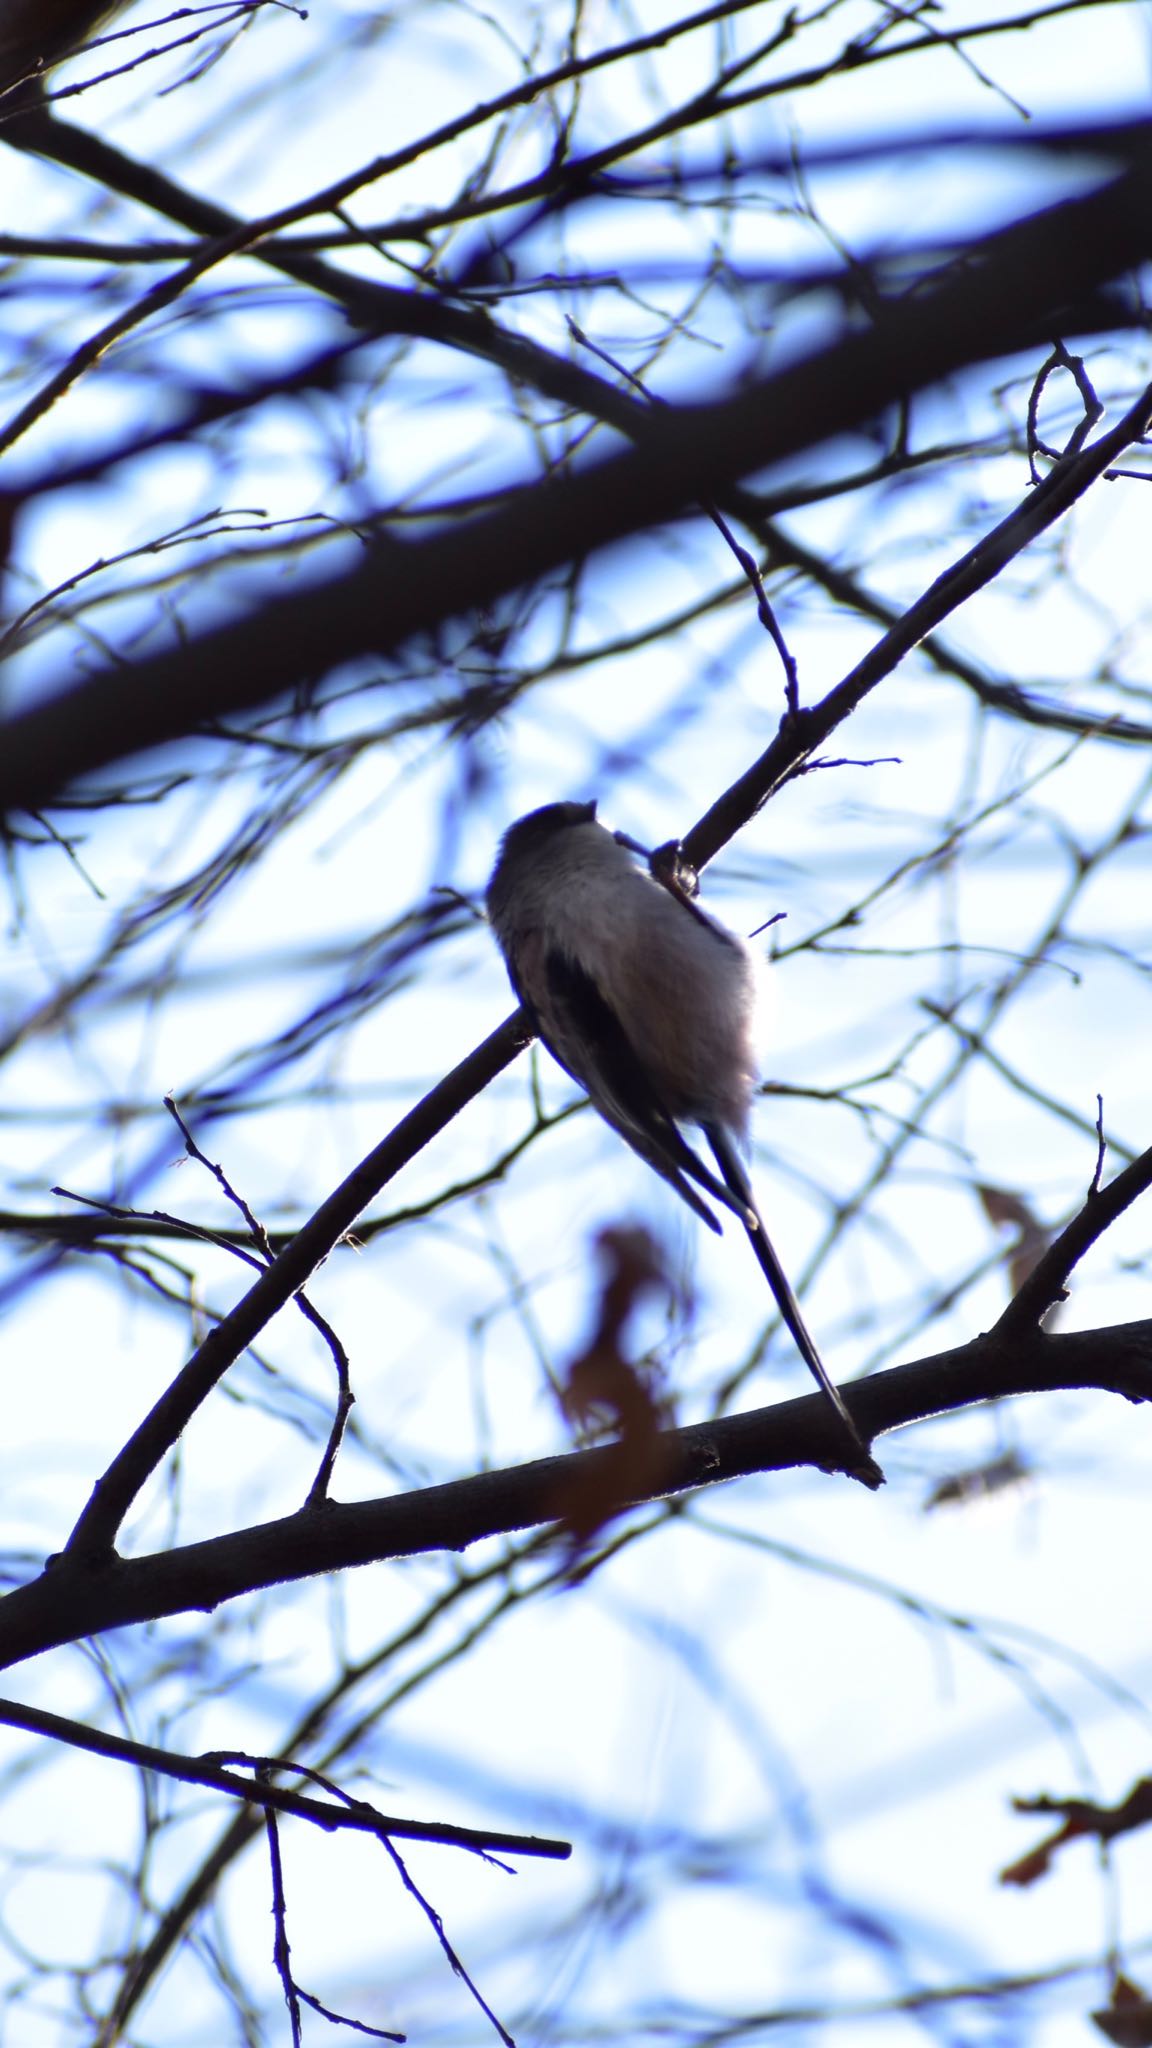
(649,1002)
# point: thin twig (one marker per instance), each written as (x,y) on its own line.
(281,1950)
(437,1926)
(345,1398)
(747,563)
(1046,1283)
(1094,1184)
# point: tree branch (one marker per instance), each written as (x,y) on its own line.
(357,1815)
(76,1597)
(1046,1283)
(113,1494)
(1015,280)
(797,739)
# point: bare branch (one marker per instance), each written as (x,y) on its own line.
(1017,277)
(334,1815)
(80,1594)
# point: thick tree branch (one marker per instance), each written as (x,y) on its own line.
(1029,273)
(76,1597)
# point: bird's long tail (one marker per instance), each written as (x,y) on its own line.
(862,1466)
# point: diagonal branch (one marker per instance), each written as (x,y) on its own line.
(114,1492)
(797,739)
(1046,1283)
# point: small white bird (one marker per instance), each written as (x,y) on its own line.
(649,1003)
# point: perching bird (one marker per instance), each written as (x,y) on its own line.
(649,1003)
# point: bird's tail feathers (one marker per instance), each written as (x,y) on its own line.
(864,1466)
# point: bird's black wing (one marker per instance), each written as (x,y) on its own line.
(597,1052)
